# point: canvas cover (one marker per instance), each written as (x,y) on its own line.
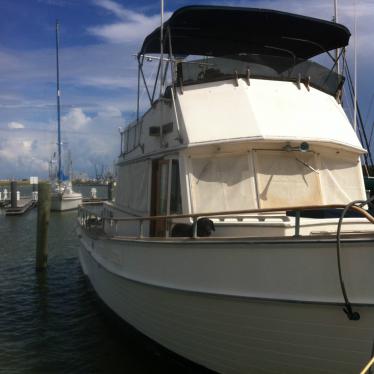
(222,30)
(134,193)
(273,179)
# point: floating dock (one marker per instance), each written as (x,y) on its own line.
(23,205)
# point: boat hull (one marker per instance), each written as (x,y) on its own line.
(232,334)
(62,202)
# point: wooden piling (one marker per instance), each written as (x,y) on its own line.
(44,210)
(13,194)
(110,190)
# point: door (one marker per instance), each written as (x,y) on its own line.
(165,193)
(159,195)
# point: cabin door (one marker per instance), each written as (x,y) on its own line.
(159,195)
(166,193)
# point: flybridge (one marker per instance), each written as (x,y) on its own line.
(222,31)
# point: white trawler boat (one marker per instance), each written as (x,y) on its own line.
(63,197)
(252,137)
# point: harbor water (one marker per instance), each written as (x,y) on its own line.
(52,322)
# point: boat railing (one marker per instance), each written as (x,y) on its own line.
(96,217)
(367,368)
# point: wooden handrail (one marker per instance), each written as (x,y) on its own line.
(246,211)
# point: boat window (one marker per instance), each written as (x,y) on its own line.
(287,179)
(222,183)
(341,177)
(260,67)
(175,189)
(134,193)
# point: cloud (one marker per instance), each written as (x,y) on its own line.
(15,125)
(75,119)
(132,28)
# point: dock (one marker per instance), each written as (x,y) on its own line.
(95,200)
(23,205)
(4,203)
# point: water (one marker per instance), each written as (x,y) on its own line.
(52,322)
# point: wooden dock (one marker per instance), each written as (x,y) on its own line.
(23,205)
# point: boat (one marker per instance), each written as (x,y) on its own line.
(63,197)
(239,237)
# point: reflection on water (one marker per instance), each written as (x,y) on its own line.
(51,322)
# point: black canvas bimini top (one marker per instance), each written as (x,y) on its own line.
(221,31)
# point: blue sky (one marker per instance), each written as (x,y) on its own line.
(98,72)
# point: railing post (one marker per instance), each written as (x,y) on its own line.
(297,223)
(141,226)
(166,228)
(194,227)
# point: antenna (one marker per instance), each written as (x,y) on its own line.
(162,46)
(58,103)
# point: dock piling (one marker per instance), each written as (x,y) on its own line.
(13,194)
(44,209)
(110,190)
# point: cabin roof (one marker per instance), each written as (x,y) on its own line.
(223,30)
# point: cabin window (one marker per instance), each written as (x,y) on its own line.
(134,193)
(341,177)
(222,183)
(175,189)
(287,179)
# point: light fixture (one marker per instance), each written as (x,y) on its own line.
(303,147)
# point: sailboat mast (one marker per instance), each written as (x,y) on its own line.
(58,103)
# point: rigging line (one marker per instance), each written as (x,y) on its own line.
(369,110)
(350,89)
(371,134)
(359,116)
(353,316)
(150,76)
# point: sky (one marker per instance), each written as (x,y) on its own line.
(98,78)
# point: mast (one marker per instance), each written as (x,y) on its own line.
(58,104)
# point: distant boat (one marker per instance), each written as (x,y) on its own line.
(63,197)
(227,242)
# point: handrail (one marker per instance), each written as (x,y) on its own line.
(245,211)
(368,366)
(91,218)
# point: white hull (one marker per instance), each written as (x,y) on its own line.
(63,201)
(176,305)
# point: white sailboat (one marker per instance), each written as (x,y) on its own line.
(229,241)
(63,197)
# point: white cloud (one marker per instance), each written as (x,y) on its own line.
(132,28)
(75,119)
(15,125)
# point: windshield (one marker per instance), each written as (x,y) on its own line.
(260,67)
